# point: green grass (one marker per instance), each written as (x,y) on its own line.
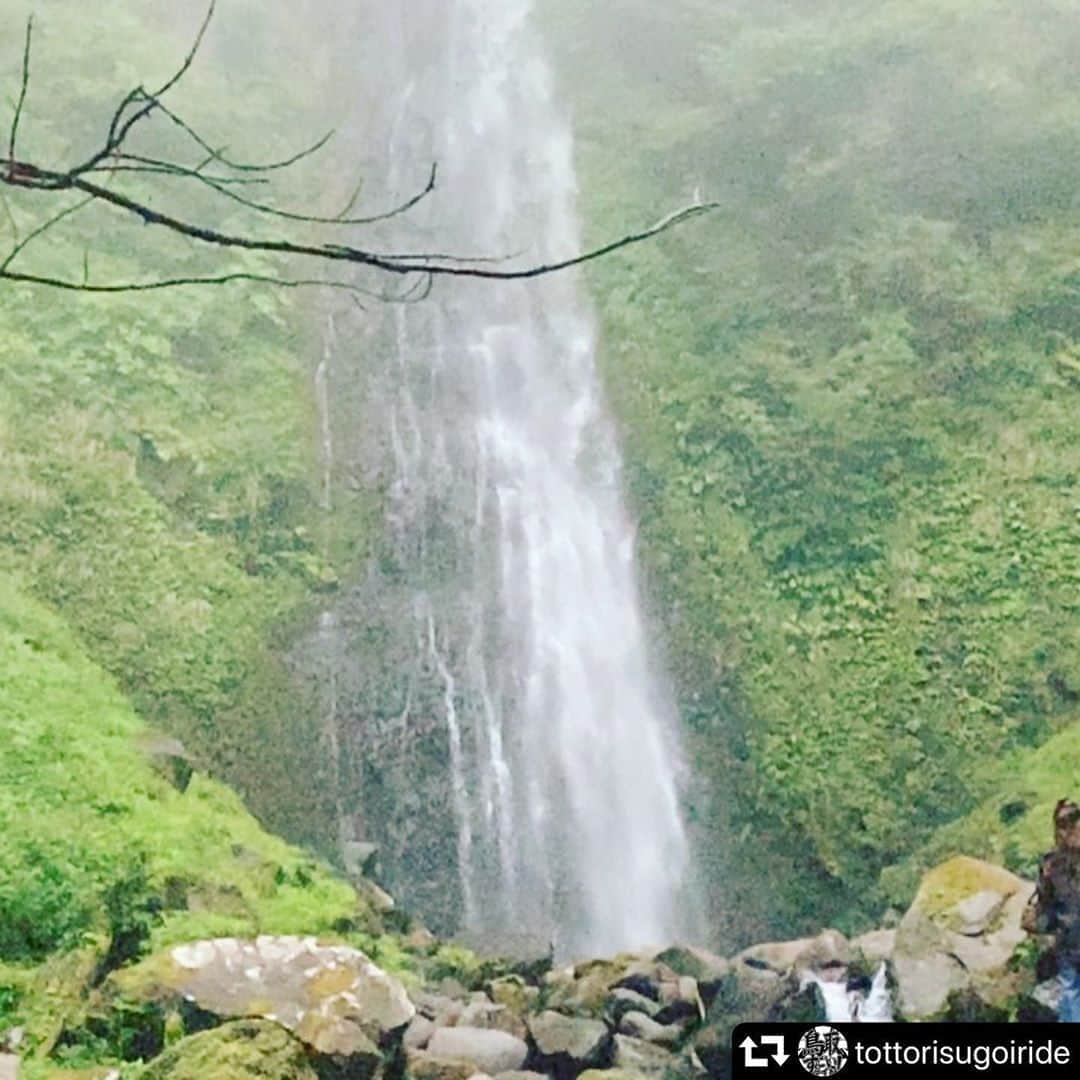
(94,839)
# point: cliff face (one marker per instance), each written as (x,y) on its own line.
(845,400)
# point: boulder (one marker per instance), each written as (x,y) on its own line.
(679,1000)
(333,998)
(570,1040)
(418,1033)
(699,964)
(642,1057)
(622,1000)
(513,992)
(242,1050)
(642,1027)
(490,1051)
(957,938)
(875,947)
(829,949)
(484,1013)
(422,1065)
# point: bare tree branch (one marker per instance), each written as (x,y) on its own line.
(419,269)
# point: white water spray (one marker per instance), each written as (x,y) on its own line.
(506,493)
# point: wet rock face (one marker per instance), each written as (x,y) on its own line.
(332,998)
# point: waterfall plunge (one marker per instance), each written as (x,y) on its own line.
(509,521)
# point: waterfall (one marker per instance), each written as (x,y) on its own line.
(509,527)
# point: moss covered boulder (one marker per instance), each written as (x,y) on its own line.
(242,1050)
(958,937)
(331,997)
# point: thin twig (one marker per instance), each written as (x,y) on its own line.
(119,131)
(236,166)
(42,228)
(22,89)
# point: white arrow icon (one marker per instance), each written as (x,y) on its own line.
(749,1060)
(777,1041)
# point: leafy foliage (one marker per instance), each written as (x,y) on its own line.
(847,413)
(156,451)
(97,846)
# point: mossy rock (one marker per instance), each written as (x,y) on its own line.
(959,878)
(243,1050)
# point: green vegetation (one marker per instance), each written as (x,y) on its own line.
(98,846)
(849,410)
(103,860)
(157,450)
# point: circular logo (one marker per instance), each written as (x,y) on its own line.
(823,1051)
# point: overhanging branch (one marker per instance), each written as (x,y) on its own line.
(113,159)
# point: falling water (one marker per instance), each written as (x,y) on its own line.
(506,503)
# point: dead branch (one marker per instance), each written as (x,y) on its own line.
(113,159)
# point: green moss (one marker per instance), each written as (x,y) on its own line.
(1014,826)
(245,1050)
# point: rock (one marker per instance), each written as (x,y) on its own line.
(331,997)
(611,1074)
(12,1040)
(680,1001)
(444,1011)
(379,899)
(9,1067)
(875,946)
(750,994)
(513,992)
(490,1051)
(641,1056)
(486,1014)
(359,858)
(425,1066)
(569,1039)
(586,992)
(420,939)
(623,1000)
(418,1033)
(168,757)
(242,1050)
(521,1074)
(699,964)
(829,949)
(958,937)
(639,1026)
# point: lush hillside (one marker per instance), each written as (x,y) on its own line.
(157,450)
(849,408)
(102,855)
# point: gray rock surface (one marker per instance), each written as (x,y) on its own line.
(583,1042)
(489,1050)
(331,997)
